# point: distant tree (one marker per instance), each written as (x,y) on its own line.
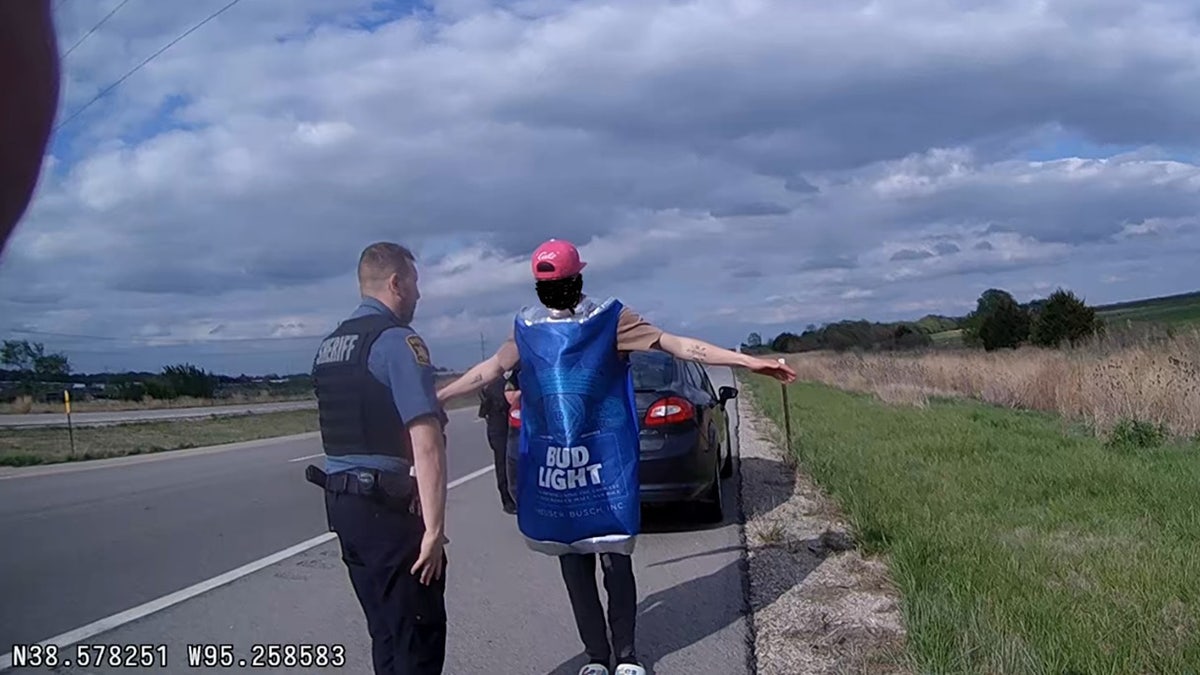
(906,336)
(853,335)
(998,322)
(1063,318)
(188,380)
(985,306)
(130,391)
(754,345)
(33,364)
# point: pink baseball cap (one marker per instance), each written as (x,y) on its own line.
(556,259)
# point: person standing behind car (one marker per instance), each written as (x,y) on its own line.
(512,394)
(493,408)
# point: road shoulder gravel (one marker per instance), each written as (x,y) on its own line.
(818,605)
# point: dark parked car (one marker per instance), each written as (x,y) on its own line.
(685,437)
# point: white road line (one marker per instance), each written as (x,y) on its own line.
(117,620)
(474,474)
(300,459)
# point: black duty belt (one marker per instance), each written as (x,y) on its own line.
(387,487)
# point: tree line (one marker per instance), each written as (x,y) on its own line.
(1000,322)
(33,371)
(997,322)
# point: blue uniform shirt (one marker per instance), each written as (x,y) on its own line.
(393,362)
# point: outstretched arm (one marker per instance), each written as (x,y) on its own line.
(481,374)
(692,349)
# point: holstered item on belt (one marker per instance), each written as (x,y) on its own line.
(386,487)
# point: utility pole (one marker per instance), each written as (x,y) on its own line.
(482,348)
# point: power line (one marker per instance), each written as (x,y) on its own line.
(181,341)
(93,30)
(148,59)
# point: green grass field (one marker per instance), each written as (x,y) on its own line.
(1019,545)
(24,447)
(947,336)
(1177,309)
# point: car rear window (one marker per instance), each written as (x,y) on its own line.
(652,370)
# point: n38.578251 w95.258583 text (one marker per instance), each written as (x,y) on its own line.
(278,655)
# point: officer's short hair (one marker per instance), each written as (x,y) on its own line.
(383,259)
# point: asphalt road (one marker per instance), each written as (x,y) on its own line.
(121,416)
(81,544)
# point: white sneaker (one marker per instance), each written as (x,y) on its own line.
(629,669)
(594,669)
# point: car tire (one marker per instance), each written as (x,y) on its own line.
(712,505)
(727,466)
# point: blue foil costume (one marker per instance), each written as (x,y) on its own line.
(577,487)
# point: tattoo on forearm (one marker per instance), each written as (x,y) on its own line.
(478,378)
(697,352)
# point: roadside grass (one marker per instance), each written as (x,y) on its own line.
(25,405)
(31,446)
(25,447)
(1020,545)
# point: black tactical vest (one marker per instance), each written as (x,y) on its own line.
(356,411)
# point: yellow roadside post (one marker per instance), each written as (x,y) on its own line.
(70,427)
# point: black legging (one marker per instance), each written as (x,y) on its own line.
(579,573)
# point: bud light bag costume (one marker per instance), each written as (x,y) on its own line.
(578,489)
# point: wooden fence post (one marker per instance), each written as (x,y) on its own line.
(787,416)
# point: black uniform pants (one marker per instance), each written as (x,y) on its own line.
(498,440)
(579,573)
(406,619)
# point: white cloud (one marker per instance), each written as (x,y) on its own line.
(721,163)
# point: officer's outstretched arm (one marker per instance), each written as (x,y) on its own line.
(481,374)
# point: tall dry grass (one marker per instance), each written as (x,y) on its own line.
(1152,379)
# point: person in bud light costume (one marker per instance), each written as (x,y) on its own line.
(577,489)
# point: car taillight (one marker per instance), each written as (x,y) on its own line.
(669,410)
(514,417)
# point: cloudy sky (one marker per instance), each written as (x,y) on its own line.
(724,165)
